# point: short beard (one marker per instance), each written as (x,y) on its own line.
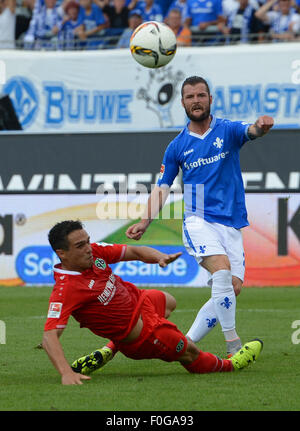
(202,117)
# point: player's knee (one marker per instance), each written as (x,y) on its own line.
(170,304)
(216,263)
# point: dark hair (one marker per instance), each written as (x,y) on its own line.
(193,80)
(57,236)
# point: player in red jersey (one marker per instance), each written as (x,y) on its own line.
(134,319)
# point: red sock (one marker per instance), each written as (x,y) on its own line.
(208,363)
(112,346)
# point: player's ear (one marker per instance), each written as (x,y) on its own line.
(60,253)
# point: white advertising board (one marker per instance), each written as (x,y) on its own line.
(96,91)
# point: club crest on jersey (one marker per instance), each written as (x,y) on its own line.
(100,263)
(180,346)
(218,143)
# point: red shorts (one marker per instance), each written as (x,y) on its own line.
(159,339)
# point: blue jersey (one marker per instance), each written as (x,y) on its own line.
(94,19)
(153,14)
(211,173)
(204,10)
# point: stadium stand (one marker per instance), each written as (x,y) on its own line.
(46,24)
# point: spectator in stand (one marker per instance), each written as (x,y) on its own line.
(44,26)
(24,11)
(183,34)
(151,10)
(7,24)
(182,6)
(135,19)
(93,22)
(284,22)
(164,6)
(117,15)
(242,20)
(297,5)
(129,3)
(206,19)
(72,26)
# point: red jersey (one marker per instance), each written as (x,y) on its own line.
(96,298)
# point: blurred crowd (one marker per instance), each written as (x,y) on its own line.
(105,24)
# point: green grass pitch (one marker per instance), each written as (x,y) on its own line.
(30,383)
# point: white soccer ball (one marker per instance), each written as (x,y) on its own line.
(153,44)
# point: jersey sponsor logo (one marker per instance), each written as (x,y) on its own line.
(218,143)
(100,263)
(109,291)
(205,161)
(91,284)
(54,311)
(188,152)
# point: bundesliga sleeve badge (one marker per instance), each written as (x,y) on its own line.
(162,171)
(54,311)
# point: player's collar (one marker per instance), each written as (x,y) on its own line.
(65,271)
(211,126)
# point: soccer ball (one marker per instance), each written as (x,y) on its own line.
(153,44)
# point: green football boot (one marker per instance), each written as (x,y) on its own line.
(92,362)
(247,354)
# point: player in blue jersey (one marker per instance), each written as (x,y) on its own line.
(207,151)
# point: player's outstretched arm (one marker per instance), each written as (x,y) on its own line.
(155,203)
(55,352)
(149,255)
(261,126)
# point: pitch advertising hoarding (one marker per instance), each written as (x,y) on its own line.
(98,91)
(272,241)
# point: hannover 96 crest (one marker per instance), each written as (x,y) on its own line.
(100,263)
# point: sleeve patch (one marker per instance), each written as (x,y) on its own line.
(54,311)
(162,171)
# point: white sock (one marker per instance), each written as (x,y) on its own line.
(205,321)
(224,300)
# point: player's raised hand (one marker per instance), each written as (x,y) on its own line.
(265,123)
(169,258)
(137,230)
(261,126)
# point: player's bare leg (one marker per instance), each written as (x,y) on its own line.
(170,304)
